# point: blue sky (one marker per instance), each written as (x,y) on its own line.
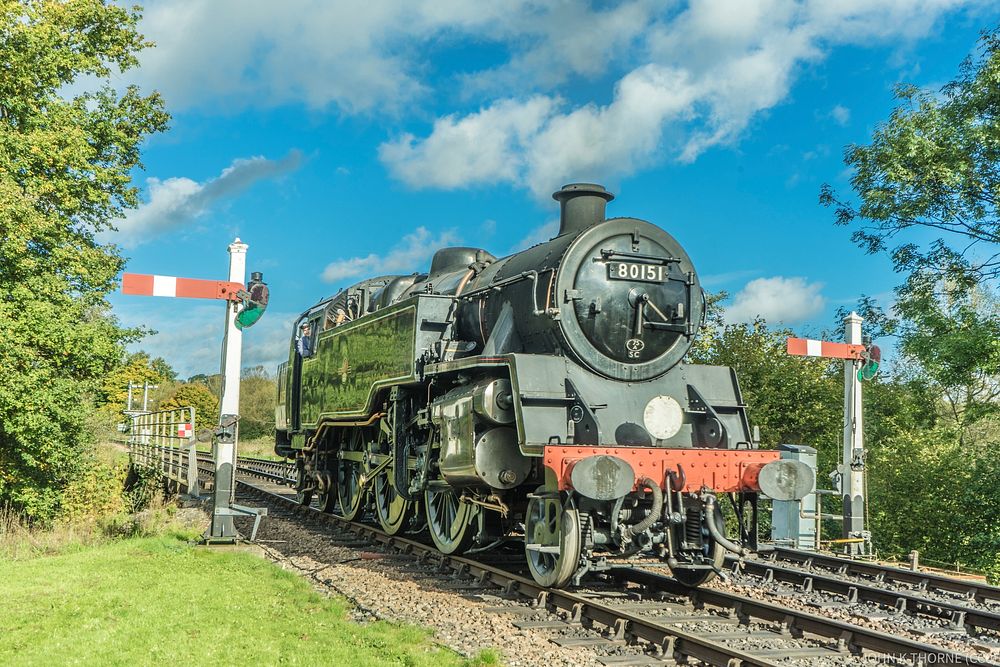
(341,140)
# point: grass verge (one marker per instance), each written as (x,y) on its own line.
(160,601)
(260,448)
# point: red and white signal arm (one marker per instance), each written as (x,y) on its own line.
(806,347)
(184,430)
(172,286)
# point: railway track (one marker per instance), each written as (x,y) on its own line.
(887,574)
(848,590)
(666,621)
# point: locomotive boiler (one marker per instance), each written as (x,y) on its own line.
(540,397)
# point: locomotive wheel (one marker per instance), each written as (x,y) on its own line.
(350,492)
(452,523)
(695,578)
(393,512)
(552,539)
(327,497)
(302,497)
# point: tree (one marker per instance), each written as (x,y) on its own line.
(199,397)
(136,368)
(65,175)
(792,399)
(932,170)
(948,339)
(213,382)
(258,395)
(708,337)
(935,166)
(953,334)
(932,425)
(163,369)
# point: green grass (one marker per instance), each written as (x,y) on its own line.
(160,601)
(261,448)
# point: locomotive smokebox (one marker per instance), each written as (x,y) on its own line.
(580,206)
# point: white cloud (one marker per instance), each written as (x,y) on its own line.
(705,74)
(557,41)
(193,344)
(354,55)
(412,253)
(840,114)
(533,143)
(777,299)
(174,202)
(446,159)
(686,77)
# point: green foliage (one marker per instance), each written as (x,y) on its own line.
(792,399)
(106,500)
(198,396)
(933,427)
(213,382)
(979,503)
(136,368)
(934,165)
(912,476)
(928,488)
(948,338)
(930,492)
(258,395)
(162,369)
(485,658)
(702,349)
(953,334)
(97,490)
(65,175)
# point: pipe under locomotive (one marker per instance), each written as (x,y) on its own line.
(539,397)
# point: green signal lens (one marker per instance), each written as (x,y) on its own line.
(248,317)
(868,371)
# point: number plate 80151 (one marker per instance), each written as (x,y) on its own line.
(650,273)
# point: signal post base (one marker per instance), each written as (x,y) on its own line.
(223,531)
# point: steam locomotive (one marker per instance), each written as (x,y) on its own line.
(540,397)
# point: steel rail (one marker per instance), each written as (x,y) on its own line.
(257,468)
(667,638)
(848,634)
(856,591)
(670,640)
(979,592)
(664,636)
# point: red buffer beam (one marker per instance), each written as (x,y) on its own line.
(187,288)
(806,347)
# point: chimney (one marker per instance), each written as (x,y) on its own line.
(580,206)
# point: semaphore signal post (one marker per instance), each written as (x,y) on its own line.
(860,363)
(243,308)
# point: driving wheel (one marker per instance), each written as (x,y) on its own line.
(394,512)
(350,469)
(552,542)
(452,524)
